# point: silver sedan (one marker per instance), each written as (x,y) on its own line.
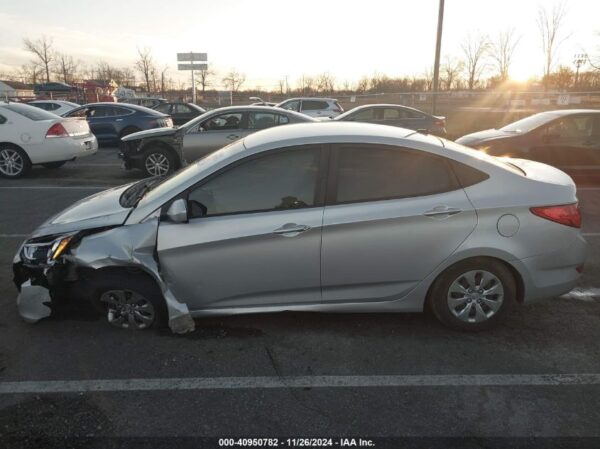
(331,217)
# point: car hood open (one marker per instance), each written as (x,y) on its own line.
(96,211)
(155,132)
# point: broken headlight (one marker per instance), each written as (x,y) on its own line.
(46,250)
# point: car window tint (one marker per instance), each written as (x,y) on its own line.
(374,172)
(283,119)
(77,113)
(53,106)
(573,127)
(262,120)
(181,109)
(292,105)
(2,119)
(30,112)
(281,180)
(100,111)
(221,122)
(164,108)
(313,105)
(117,110)
(365,114)
(392,114)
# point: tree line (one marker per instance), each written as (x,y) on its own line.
(483,62)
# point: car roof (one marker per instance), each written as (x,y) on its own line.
(135,107)
(324,132)
(263,109)
(571,111)
(309,98)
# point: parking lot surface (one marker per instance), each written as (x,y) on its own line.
(292,374)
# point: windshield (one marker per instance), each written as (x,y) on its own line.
(192,171)
(31,112)
(528,123)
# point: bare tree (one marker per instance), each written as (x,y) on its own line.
(234,80)
(306,84)
(502,50)
(66,68)
(204,78)
(549,24)
(474,48)
(325,83)
(281,85)
(145,65)
(30,73)
(450,71)
(43,51)
(363,85)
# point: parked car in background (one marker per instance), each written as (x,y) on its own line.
(315,217)
(396,115)
(562,138)
(58,107)
(111,121)
(260,102)
(31,136)
(180,112)
(159,152)
(315,107)
(144,101)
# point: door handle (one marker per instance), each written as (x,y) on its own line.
(233,136)
(440,211)
(291,228)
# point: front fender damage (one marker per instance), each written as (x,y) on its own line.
(132,246)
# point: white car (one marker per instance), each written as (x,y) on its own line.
(314,107)
(57,107)
(31,136)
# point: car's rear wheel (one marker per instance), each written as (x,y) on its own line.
(158,162)
(54,164)
(14,162)
(130,301)
(473,295)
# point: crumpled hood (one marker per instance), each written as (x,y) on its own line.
(155,132)
(483,136)
(95,211)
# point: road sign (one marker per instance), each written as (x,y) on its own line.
(191,56)
(192,66)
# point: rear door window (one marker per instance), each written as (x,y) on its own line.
(382,172)
(165,108)
(231,120)
(263,120)
(314,105)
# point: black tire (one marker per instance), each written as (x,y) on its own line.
(53,165)
(140,286)
(158,161)
(128,130)
(439,296)
(18,156)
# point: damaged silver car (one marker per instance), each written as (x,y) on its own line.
(332,217)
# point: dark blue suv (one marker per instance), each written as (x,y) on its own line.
(111,121)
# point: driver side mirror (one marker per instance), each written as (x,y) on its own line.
(177,212)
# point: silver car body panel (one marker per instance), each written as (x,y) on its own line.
(364,257)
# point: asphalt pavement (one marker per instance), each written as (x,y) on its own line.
(532,382)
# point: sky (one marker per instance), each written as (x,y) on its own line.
(270,39)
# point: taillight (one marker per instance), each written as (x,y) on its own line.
(57,130)
(566,214)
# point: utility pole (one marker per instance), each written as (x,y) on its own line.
(436,64)
(579,60)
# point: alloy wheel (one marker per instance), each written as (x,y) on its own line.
(157,164)
(11,162)
(475,296)
(128,309)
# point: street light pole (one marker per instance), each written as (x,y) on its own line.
(436,64)
(579,60)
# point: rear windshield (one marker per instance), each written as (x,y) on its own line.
(31,112)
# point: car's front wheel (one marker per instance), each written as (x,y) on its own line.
(158,162)
(130,301)
(14,162)
(473,295)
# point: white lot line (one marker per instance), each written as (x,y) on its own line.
(268,382)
